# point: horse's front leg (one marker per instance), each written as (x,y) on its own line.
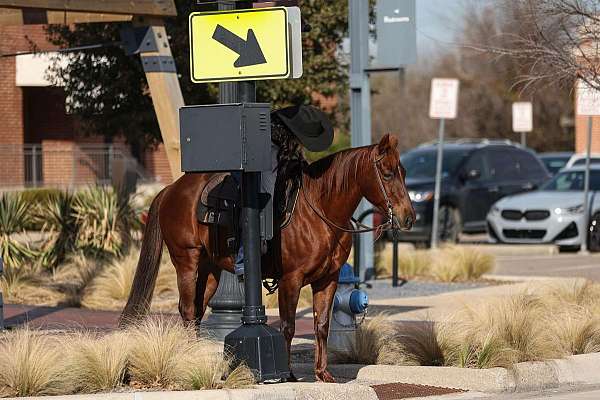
(323,292)
(289,293)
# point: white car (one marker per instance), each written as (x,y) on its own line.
(551,214)
(578,159)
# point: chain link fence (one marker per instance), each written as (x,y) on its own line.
(66,165)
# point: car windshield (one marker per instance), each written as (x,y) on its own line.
(572,181)
(420,163)
(555,164)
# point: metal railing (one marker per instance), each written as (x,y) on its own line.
(33,165)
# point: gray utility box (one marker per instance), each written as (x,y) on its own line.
(226,137)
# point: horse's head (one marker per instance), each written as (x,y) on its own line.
(387,190)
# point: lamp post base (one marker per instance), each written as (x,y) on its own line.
(262,348)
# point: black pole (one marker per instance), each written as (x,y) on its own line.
(262,348)
(395,260)
(253,311)
(226,305)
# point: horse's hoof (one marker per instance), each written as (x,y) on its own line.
(292,378)
(325,376)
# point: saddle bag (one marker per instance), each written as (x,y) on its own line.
(219,209)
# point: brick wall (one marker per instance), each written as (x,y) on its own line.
(12,127)
(57,161)
(581,133)
(157,164)
(36,115)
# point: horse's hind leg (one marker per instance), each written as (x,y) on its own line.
(288,293)
(186,265)
(208,281)
(323,292)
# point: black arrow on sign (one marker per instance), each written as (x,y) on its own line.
(249,49)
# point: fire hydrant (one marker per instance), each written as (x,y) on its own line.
(348,304)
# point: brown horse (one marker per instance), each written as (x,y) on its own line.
(313,247)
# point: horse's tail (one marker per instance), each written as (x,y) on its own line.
(140,297)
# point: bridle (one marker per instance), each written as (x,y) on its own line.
(389,224)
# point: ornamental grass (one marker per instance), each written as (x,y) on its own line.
(448,264)
(158,353)
(546,321)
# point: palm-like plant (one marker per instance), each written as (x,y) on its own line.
(14,218)
(58,221)
(105,221)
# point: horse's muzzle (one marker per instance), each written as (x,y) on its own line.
(404,225)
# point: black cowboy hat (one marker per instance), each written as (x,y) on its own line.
(309,124)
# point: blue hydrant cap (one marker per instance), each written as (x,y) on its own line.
(347,275)
(359,301)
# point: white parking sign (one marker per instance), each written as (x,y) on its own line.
(522,113)
(444,98)
(588,100)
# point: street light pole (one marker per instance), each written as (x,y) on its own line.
(360,108)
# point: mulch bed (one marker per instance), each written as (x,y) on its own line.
(394,391)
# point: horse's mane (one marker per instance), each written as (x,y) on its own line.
(337,171)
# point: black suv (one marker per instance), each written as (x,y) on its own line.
(475,175)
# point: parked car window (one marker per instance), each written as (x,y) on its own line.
(421,163)
(479,163)
(502,165)
(555,164)
(528,165)
(581,161)
(572,181)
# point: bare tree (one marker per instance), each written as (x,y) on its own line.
(490,82)
(561,42)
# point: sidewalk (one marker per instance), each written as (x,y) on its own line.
(68,318)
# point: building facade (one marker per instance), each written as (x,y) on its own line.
(40,143)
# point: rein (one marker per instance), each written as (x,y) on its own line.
(360,227)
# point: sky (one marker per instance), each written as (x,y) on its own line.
(437,23)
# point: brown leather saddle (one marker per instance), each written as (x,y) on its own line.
(220,207)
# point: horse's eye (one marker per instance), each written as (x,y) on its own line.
(388,176)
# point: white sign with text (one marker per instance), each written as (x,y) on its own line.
(444,98)
(588,100)
(522,116)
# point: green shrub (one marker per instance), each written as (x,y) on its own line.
(105,221)
(39,196)
(15,216)
(58,222)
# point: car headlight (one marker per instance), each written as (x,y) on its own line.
(569,210)
(419,197)
(495,210)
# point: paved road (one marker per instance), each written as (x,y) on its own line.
(555,265)
(568,393)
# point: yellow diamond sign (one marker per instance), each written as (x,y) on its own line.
(239,45)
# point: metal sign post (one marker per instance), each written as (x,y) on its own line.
(443,105)
(588,104)
(397,44)
(242,45)
(522,119)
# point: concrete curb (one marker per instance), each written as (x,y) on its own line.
(284,391)
(522,377)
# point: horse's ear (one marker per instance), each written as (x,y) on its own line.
(388,142)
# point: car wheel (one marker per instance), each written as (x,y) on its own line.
(569,249)
(450,224)
(594,235)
